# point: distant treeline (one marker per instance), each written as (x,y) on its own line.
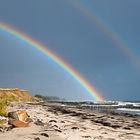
(48,98)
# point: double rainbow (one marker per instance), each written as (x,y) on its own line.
(45,50)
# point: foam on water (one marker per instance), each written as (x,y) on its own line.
(128,110)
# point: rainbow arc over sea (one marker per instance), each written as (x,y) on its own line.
(55,58)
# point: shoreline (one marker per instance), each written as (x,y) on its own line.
(72,123)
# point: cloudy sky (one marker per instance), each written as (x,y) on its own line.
(99,39)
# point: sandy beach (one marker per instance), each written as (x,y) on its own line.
(56,122)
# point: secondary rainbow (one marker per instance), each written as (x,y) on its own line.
(40,47)
(115,38)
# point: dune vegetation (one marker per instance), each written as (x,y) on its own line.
(48,98)
(11,95)
(3,105)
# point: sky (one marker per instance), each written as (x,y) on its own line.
(99,39)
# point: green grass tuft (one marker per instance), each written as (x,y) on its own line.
(3,105)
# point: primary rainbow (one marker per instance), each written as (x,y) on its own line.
(40,47)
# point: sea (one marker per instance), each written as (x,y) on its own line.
(129,107)
(120,107)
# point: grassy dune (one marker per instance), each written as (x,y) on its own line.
(12,95)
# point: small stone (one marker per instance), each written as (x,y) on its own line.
(8,128)
(53,121)
(37,138)
(86,136)
(74,127)
(127,128)
(58,130)
(38,122)
(44,134)
(3,121)
(5,128)
(55,126)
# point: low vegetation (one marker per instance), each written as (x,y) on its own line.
(11,95)
(3,105)
(47,98)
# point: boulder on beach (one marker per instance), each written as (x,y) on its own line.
(19,118)
(18,123)
(19,115)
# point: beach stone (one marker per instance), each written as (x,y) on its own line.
(75,127)
(3,122)
(44,134)
(86,136)
(12,115)
(55,126)
(53,121)
(19,115)
(127,128)
(18,123)
(38,122)
(62,122)
(115,126)
(37,138)
(58,130)
(5,128)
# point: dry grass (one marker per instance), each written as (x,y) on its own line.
(11,96)
(3,105)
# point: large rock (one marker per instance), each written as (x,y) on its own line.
(19,118)
(18,123)
(19,115)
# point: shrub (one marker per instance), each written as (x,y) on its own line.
(47,98)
